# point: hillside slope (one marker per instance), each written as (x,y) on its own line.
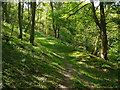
(50,63)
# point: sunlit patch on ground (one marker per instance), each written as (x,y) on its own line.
(41,38)
(76,54)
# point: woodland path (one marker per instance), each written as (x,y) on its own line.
(67,72)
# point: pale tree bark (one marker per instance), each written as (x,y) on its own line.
(96,46)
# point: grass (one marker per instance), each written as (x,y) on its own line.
(42,65)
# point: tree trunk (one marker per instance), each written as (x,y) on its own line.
(102,26)
(55,32)
(29,19)
(96,46)
(46,24)
(58,32)
(22,10)
(53,21)
(12,30)
(103,32)
(58,4)
(33,8)
(5,12)
(27,27)
(28,11)
(20,20)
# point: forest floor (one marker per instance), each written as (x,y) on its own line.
(52,63)
(67,71)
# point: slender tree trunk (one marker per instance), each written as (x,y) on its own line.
(40,25)
(102,26)
(58,4)
(96,46)
(29,19)
(46,23)
(22,9)
(20,20)
(7,13)
(28,11)
(53,21)
(22,15)
(58,32)
(3,11)
(27,27)
(33,8)
(12,30)
(55,32)
(119,36)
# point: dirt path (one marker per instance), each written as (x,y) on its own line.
(67,72)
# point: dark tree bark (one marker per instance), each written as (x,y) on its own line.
(33,8)
(20,20)
(102,26)
(103,32)
(58,32)
(12,30)
(53,20)
(22,9)
(3,11)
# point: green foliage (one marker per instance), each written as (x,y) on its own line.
(113,53)
(43,65)
(66,35)
(60,62)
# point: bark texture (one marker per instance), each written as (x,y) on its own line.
(20,20)
(102,26)
(53,20)
(33,8)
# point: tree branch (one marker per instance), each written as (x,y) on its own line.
(75,7)
(77,10)
(94,15)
